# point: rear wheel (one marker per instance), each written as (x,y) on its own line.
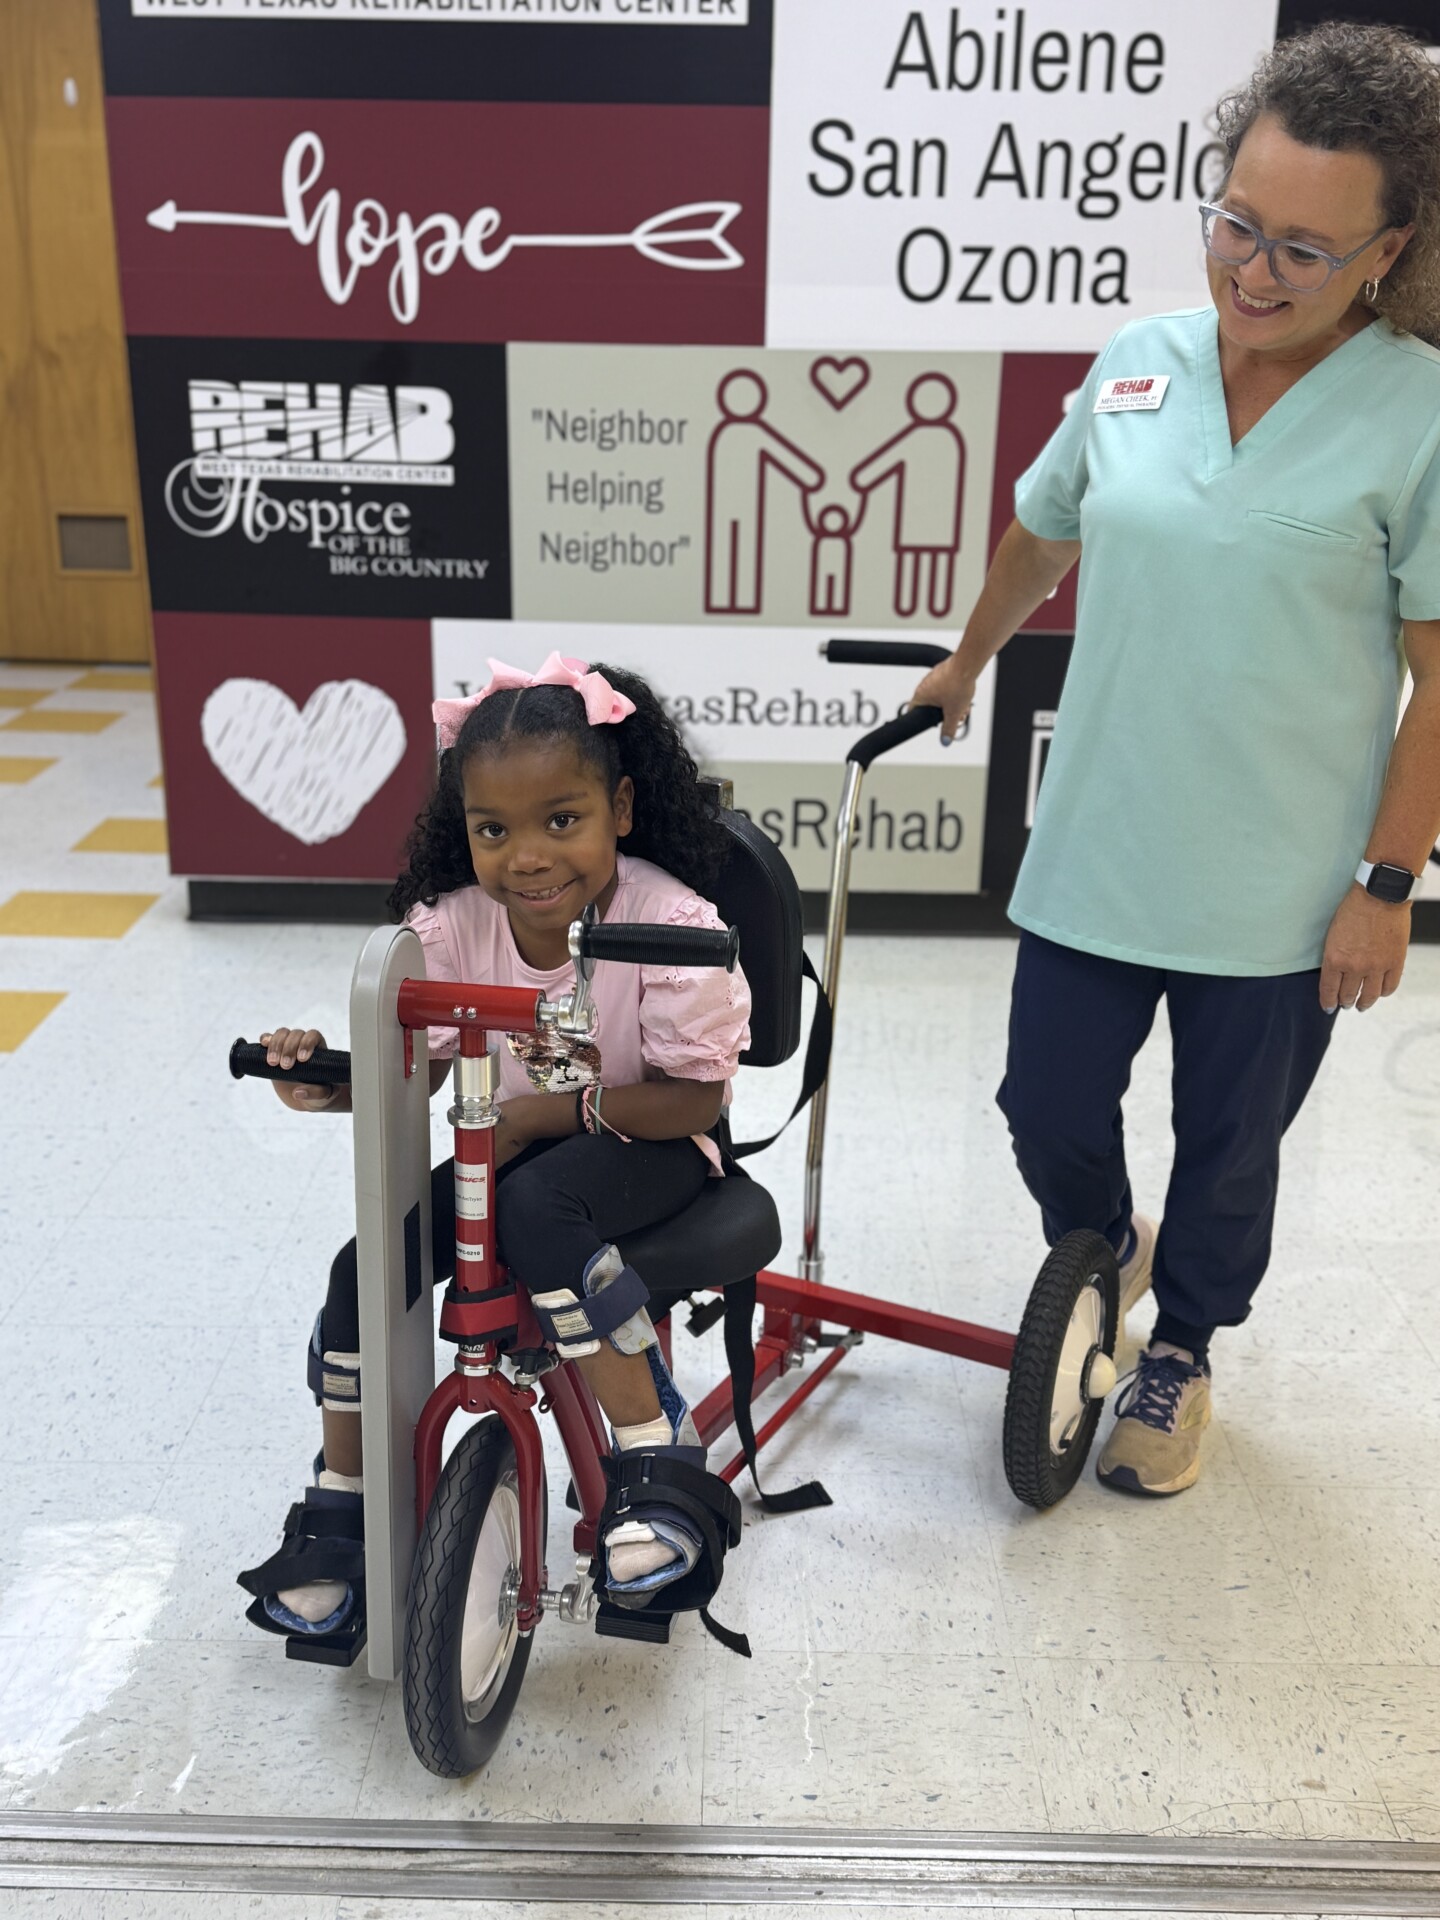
(1062,1369)
(465,1656)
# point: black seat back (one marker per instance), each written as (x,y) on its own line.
(756,892)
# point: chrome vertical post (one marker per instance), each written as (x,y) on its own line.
(812,1264)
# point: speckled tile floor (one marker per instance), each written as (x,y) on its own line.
(1258,1658)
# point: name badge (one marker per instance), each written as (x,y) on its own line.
(1141,394)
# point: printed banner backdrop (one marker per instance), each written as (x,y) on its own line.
(672,486)
(993,177)
(761,708)
(678,332)
(337,478)
(293,748)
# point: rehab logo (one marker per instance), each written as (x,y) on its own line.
(298,494)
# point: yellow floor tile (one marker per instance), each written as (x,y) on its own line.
(113,680)
(21,1014)
(73,916)
(15,770)
(23,696)
(125,836)
(57,720)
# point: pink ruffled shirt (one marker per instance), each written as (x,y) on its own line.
(687,1023)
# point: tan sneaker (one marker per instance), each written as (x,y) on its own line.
(1154,1446)
(1135,1274)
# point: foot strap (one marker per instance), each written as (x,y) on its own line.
(324,1540)
(701,1501)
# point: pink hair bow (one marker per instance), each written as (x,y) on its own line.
(604,707)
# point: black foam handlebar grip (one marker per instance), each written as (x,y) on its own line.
(649,946)
(326,1067)
(884,653)
(905,726)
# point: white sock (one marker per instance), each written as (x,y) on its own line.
(632,1547)
(646,1433)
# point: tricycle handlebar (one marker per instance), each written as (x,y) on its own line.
(326,1067)
(651,946)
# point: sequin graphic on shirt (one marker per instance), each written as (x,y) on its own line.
(556,1062)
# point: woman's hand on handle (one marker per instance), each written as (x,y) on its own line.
(284,1047)
(951,687)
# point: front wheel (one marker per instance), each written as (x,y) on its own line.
(1061,1369)
(465,1656)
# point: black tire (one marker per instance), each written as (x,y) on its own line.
(1040,1472)
(453,1735)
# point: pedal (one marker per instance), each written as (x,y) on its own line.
(704,1315)
(627,1623)
(340,1649)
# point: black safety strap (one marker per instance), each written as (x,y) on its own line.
(740,1355)
(817,1063)
(739,1296)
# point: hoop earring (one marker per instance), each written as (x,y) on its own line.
(1371,291)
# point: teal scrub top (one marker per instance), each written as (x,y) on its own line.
(1234,684)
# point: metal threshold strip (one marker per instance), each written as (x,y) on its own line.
(656,1866)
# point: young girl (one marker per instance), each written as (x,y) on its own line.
(541,778)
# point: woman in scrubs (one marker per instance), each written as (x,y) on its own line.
(1229,820)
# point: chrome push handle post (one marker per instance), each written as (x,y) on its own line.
(906,726)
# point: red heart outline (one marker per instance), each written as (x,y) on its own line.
(839,368)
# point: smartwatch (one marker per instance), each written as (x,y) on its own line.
(1385,882)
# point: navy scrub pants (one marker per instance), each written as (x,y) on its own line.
(1246,1049)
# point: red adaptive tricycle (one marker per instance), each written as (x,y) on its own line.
(455,1547)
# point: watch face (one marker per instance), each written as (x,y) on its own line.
(1390,883)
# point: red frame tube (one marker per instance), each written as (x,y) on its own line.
(455,1003)
(860,1312)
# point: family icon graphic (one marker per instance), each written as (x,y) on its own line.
(923,462)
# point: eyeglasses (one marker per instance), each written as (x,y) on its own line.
(1302,269)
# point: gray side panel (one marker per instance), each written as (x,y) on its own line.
(397,1342)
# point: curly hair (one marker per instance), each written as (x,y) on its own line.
(1363,89)
(676,820)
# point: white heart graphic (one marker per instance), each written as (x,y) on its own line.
(309,772)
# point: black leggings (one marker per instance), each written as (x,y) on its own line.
(559,1202)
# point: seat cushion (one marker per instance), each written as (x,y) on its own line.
(730,1232)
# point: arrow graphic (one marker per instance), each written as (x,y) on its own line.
(168,217)
(656,238)
(692,238)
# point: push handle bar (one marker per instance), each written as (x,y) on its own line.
(888,653)
(326,1067)
(905,726)
(648,946)
(883,653)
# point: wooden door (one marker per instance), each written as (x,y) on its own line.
(72,565)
